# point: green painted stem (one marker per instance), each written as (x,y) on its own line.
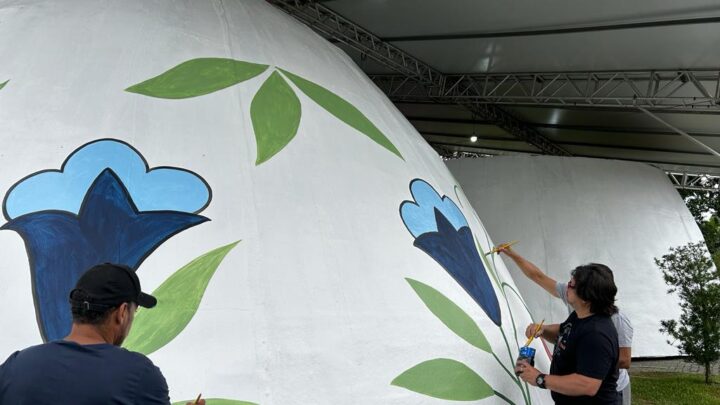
(503,397)
(526,391)
(528,400)
(512,320)
(512,376)
(501,287)
(512,361)
(507,303)
(504,285)
(507,345)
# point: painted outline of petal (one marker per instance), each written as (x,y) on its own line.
(418,214)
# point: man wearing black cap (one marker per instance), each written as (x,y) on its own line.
(88,367)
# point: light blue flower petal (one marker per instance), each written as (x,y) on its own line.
(419,215)
(162,188)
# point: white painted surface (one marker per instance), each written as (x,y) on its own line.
(312,306)
(572,211)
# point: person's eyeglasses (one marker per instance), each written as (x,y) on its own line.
(571,284)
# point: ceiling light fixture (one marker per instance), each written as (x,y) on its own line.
(473,138)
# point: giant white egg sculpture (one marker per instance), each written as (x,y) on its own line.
(305,244)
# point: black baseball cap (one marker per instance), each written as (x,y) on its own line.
(108,285)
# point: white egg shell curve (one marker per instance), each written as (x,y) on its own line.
(312,306)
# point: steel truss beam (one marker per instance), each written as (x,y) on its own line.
(448,154)
(411,70)
(416,81)
(675,90)
(698,182)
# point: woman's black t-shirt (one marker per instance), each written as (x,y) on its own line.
(587,346)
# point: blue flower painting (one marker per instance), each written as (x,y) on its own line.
(104,205)
(441,230)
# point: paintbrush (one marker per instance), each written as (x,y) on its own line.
(197,400)
(537,329)
(501,247)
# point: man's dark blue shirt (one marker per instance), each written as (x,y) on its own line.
(64,372)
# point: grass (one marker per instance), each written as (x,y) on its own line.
(673,389)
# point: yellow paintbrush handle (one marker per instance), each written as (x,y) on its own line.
(537,329)
(502,246)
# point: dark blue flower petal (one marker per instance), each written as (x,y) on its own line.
(108,217)
(108,228)
(455,251)
(58,254)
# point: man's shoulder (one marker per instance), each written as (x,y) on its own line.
(143,362)
(561,291)
(136,358)
(110,352)
(38,347)
(620,316)
(152,380)
(624,329)
(35,350)
(621,321)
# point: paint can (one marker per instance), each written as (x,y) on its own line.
(527,353)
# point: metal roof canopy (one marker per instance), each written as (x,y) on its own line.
(617,80)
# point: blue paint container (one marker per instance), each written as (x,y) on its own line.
(527,353)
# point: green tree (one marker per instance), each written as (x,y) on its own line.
(705,208)
(701,203)
(711,233)
(690,272)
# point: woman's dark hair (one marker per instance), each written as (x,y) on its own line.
(594,283)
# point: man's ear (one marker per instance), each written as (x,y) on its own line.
(121,311)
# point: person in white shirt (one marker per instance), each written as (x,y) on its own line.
(620,320)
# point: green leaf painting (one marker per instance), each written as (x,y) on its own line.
(451,315)
(3,84)
(178,300)
(445,379)
(216,401)
(275,110)
(197,77)
(275,113)
(343,110)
